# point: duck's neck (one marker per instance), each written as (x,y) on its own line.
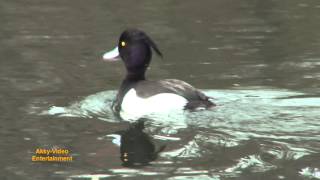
(130,80)
(135,76)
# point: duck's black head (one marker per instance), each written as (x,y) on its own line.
(134,48)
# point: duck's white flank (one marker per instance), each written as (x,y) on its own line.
(163,102)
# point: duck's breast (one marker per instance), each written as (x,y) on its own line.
(161,102)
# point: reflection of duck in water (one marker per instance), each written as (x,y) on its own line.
(136,147)
(139,96)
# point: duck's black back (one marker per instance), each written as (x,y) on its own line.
(196,98)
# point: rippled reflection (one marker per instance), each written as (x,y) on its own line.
(279,118)
(136,147)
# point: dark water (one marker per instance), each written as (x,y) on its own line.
(260,60)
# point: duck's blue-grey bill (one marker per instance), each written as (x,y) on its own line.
(112,55)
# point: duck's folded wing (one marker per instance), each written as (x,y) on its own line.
(147,89)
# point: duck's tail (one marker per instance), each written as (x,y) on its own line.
(200,104)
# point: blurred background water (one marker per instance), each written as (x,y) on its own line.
(260,60)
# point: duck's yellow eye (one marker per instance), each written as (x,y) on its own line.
(123,43)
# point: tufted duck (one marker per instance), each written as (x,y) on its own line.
(138,95)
